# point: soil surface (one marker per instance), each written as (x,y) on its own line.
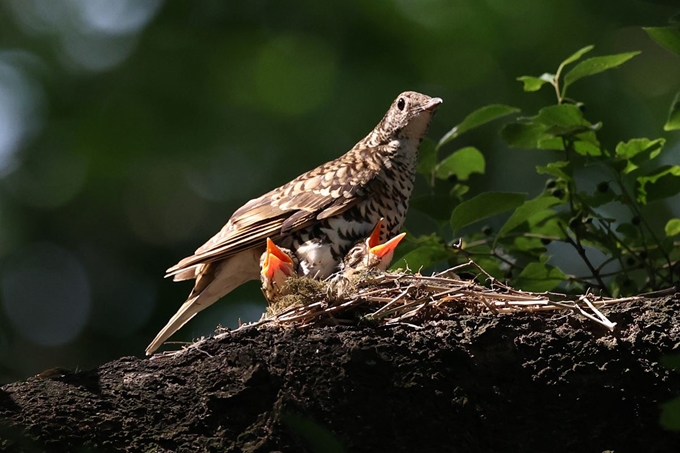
(513,383)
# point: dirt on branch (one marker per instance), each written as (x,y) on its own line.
(483,383)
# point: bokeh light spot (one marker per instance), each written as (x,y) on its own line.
(119,16)
(50,181)
(46,294)
(19,113)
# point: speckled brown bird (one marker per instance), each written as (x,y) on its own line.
(319,215)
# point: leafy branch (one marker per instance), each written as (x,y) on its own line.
(637,255)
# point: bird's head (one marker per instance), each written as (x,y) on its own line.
(276,266)
(408,116)
(371,254)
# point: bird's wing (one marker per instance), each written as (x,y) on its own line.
(320,193)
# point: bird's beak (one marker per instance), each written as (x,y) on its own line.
(374,238)
(382,250)
(276,261)
(432,104)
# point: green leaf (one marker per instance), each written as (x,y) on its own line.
(462,164)
(632,148)
(635,146)
(672,227)
(664,182)
(437,206)
(585,146)
(530,246)
(555,169)
(594,66)
(673,122)
(599,198)
(671,361)
(535,83)
(477,118)
(427,159)
(523,135)
(629,231)
(525,211)
(670,414)
(565,116)
(484,206)
(576,55)
(667,37)
(546,223)
(539,277)
(423,257)
(458,191)
(544,130)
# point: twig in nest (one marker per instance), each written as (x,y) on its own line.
(392,297)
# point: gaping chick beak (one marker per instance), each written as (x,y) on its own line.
(374,238)
(276,261)
(382,250)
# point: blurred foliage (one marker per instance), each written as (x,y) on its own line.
(131,130)
(631,175)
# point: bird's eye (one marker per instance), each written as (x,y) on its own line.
(401,103)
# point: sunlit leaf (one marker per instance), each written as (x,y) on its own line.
(477,118)
(585,146)
(672,227)
(462,164)
(667,37)
(484,206)
(576,55)
(491,266)
(539,277)
(526,210)
(535,83)
(546,223)
(673,122)
(594,66)
(555,169)
(459,190)
(634,147)
(564,115)
(530,246)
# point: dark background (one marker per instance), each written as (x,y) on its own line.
(131,130)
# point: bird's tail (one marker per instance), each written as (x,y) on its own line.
(187,311)
(214,281)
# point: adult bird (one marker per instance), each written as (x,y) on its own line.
(319,215)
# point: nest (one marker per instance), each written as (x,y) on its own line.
(402,297)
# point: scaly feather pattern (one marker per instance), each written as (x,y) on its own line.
(319,215)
